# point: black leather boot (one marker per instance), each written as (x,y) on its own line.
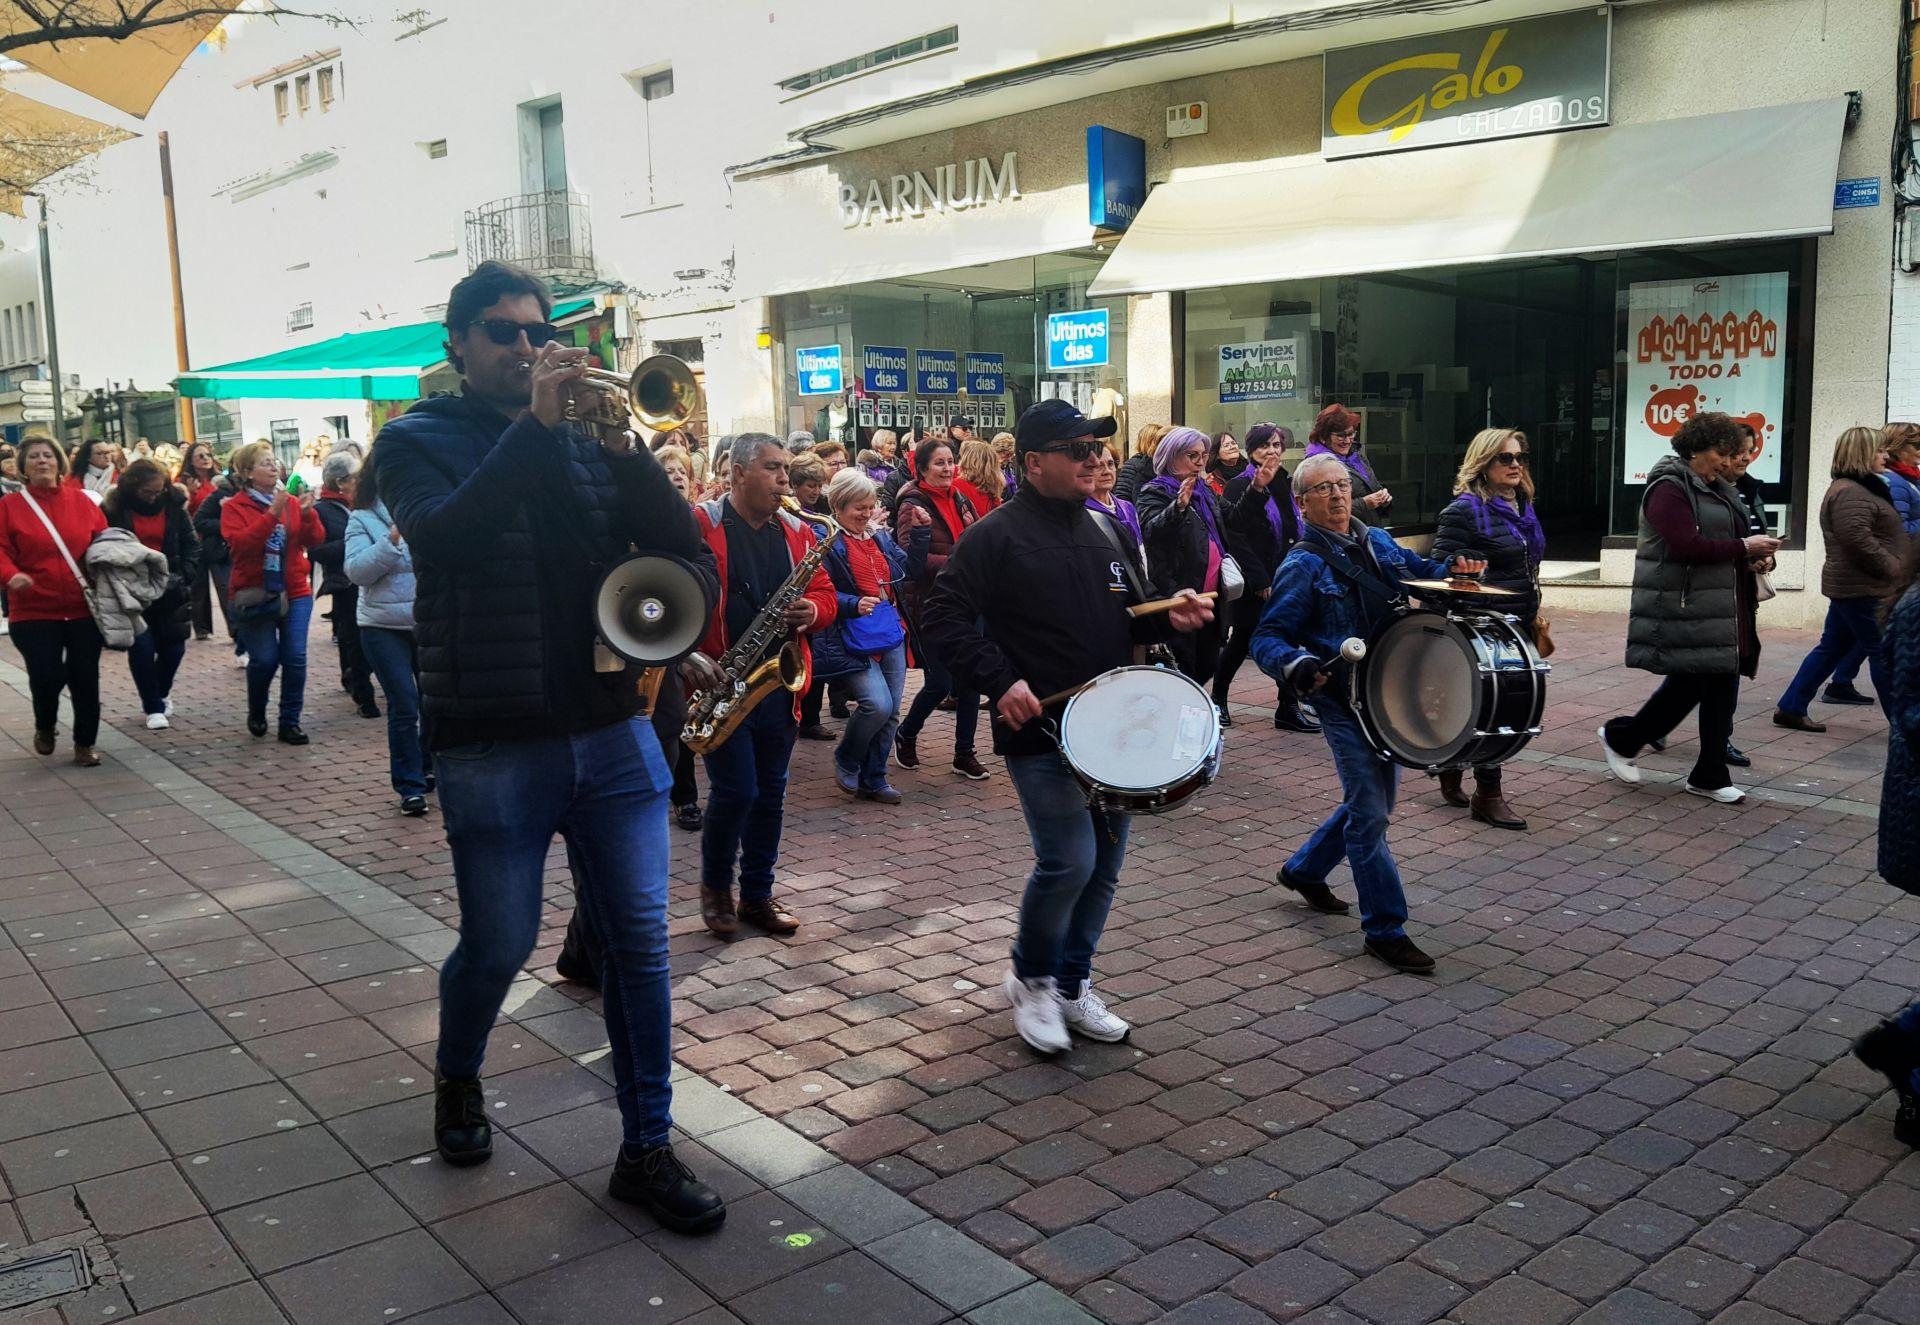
(460,1126)
(660,1184)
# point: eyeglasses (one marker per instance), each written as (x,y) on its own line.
(1350,432)
(1328,488)
(1079,450)
(504,332)
(1515,458)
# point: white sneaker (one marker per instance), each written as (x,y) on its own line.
(1036,1013)
(239,660)
(3,625)
(1089,1016)
(157,722)
(1726,795)
(166,707)
(1618,764)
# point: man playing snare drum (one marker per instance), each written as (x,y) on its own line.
(1033,602)
(1338,582)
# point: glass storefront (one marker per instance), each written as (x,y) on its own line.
(1429,358)
(993,318)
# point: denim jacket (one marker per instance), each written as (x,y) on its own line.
(1313,609)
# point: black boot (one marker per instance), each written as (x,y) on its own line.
(659,1183)
(460,1126)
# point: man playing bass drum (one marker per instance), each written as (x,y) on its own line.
(1339,581)
(1032,602)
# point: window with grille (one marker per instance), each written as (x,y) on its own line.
(858,64)
(285,436)
(303,92)
(300,319)
(280,103)
(325,77)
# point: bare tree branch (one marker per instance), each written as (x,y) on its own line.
(76,20)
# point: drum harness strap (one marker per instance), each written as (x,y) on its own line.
(1393,600)
(1157,654)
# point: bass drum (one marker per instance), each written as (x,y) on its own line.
(1141,740)
(1449,690)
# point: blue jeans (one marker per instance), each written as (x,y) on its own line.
(278,643)
(390,653)
(154,664)
(1077,855)
(868,738)
(1357,830)
(605,792)
(936,683)
(1853,624)
(747,800)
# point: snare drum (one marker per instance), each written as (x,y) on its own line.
(1141,740)
(1449,690)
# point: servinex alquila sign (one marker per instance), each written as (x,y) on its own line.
(1537,75)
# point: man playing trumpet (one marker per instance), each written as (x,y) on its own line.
(511,514)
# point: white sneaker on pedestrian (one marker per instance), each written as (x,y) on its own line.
(157,722)
(166,706)
(3,625)
(1618,764)
(1088,1015)
(239,660)
(1036,1013)
(1725,795)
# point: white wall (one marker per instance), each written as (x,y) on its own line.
(1903,357)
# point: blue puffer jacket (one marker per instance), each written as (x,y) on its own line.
(1906,500)
(1313,609)
(383,571)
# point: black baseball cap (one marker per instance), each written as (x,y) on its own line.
(1050,421)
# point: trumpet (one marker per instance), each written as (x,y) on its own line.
(662,393)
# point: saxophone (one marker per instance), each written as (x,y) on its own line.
(764,659)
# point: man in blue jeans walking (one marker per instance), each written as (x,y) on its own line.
(510,515)
(1033,601)
(756,545)
(1337,582)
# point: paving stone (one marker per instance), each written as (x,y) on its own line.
(947,1266)
(1695,1280)
(1181,1271)
(434,1190)
(177,1261)
(1161,1218)
(1473,1255)
(605,1286)
(1078,1256)
(1402,1295)
(302,1225)
(1291,1284)
(553,1224)
(1515,1298)
(1583,1268)
(1811,1291)
(249,1170)
(823,1292)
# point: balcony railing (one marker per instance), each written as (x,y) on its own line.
(550,234)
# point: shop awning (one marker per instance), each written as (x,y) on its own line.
(127,72)
(360,365)
(1753,174)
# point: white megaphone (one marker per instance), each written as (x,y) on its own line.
(650,610)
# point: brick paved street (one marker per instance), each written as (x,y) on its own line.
(1625,1095)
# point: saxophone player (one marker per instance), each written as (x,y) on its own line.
(757,545)
(510,513)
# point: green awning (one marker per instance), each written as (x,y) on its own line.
(360,365)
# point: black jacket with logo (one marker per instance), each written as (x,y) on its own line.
(1052,595)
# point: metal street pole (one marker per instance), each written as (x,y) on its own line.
(179,300)
(53,336)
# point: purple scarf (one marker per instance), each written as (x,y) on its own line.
(1122,511)
(1356,462)
(1202,502)
(1525,523)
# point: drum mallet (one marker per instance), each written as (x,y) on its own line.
(1306,671)
(1159,605)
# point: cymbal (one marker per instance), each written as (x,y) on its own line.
(1460,587)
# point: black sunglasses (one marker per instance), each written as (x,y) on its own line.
(1078,450)
(1511,458)
(504,332)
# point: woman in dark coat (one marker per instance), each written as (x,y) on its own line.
(1137,472)
(1492,518)
(1261,524)
(1866,559)
(1185,533)
(932,508)
(1225,462)
(1336,432)
(1893,1047)
(146,504)
(1691,617)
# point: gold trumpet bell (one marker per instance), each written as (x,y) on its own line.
(662,393)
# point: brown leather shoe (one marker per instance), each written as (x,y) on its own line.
(1799,722)
(1492,808)
(767,914)
(43,743)
(84,756)
(1450,790)
(716,908)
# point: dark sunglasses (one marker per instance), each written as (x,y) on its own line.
(1511,458)
(1079,450)
(503,332)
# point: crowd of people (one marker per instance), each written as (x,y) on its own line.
(459,559)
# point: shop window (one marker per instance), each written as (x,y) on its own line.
(925,44)
(692,350)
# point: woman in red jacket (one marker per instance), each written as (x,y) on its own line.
(268,531)
(933,504)
(52,627)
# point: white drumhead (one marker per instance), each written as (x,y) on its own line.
(1139,728)
(1422,684)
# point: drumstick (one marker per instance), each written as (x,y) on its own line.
(1160,605)
(1060,697)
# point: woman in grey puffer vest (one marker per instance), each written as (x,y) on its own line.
(378,562)
(1691,619)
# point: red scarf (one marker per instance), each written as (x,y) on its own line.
(1905,471)
(943,502)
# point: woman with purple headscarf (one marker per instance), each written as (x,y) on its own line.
(1262,524)
(1185,532)
(1492,516)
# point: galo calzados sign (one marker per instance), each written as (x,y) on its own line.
(1535,76)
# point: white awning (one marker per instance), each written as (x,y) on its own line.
(1753,174)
